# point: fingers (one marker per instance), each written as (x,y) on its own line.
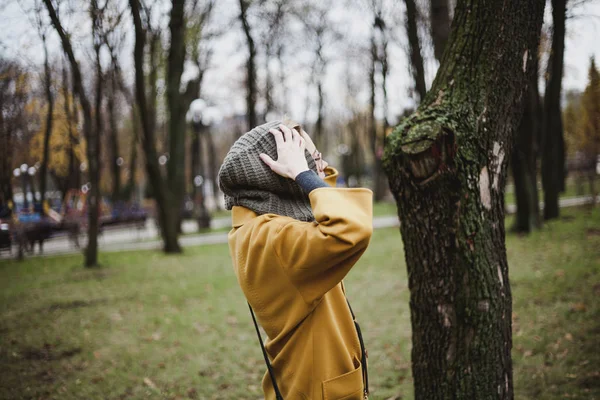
(278,137)
(296,138)
(287,133)
(268,160)
(310,146)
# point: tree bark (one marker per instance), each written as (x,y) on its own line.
(177,105)
(439,18)
(49,119)
(91,254)
(553,157)
(214,169)
(523,160)
(251,87)
(446,165)
(93,145)
(115,168)
(416,59)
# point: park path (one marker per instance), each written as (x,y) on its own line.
(116,240)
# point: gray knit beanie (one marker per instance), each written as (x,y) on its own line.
(248,182)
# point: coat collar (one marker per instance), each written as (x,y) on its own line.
(241,215)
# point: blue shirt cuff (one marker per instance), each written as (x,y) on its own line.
(309,181)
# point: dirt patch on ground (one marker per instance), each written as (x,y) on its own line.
(73,304)
(48,352)
(592,232)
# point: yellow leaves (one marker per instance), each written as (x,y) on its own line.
(64,137)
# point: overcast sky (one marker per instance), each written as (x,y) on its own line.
(223,84)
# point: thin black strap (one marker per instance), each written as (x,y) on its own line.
(362,350)
(262,346)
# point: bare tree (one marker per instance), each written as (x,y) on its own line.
(168,190)
(91,133)
(42,31)
(251,84)
(553,155)
(316,23)
(416,59)
(524,158)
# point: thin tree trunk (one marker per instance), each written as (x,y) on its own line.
(268,83)
(250,66)
(416,59)
(71,180)
(319,134)
(523,159)
(446,164)
(49,118)
(115,168)
(147,116)
(93,146)
(195,160)
(91,255)
(553,147)
(282,84)
(177,109)
(214,169)
(439,15)
(131,186)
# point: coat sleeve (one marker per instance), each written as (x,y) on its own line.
(317,255)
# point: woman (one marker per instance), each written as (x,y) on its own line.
(294,239)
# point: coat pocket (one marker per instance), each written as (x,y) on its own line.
(348,386)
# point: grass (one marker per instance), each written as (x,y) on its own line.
(150,326)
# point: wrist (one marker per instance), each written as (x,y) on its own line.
(294,174)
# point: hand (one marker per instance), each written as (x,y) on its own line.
(312,149)
(310,145)
(290,153)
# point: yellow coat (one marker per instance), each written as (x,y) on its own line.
(291,274)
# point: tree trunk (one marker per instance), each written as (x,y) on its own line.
(115,168)
(49,118)
(416,59)
(523,160)
(439,16)
(282,79)
(177,110)
(250,66)
(372,121)
(93,147)
(553,158)
(73,171)
(160,190)
(214,169)
(91,256)
(131,186)
(446,165)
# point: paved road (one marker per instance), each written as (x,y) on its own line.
(133,239)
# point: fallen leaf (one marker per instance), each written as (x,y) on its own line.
(560,273)
(579,307)
(569,337)
(527,353)
(150,384)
